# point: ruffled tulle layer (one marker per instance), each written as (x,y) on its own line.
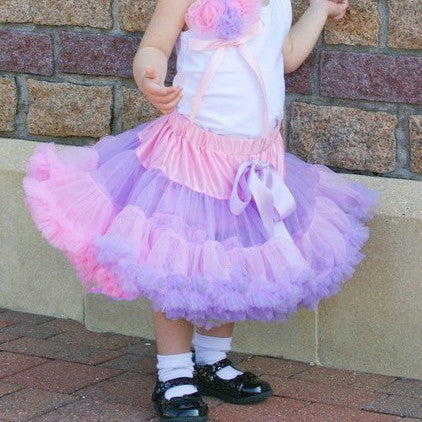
(132,232)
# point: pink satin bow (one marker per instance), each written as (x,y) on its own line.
(262,182)
(220,47)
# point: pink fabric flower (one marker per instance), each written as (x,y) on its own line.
(246,8)
(227,19)
(203,15)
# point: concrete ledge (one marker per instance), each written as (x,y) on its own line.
(374,324)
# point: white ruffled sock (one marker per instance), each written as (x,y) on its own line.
(209,349)
(175,366)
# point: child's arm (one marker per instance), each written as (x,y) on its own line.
(304,34)
(150,62)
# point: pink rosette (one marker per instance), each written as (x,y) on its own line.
(222,19)
(247,8)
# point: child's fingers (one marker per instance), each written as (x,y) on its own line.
(159,90)
(169,104)
(343,12)
(339,6)
(159,101)
(169,107)
(171,96)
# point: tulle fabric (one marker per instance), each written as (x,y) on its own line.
(131,231)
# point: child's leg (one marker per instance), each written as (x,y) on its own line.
(223,331)
(174,358)
(212,345)
(173,336)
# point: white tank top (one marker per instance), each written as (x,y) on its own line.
(232,104)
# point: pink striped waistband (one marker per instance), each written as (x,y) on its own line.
(205,139)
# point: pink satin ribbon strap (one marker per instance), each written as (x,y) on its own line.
(273,199)
(220,47)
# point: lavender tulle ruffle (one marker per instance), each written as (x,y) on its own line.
(131,232)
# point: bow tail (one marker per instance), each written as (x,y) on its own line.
(264,201)
(284,201)
(215,61)
(250,59)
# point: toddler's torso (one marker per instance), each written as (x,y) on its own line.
(232,104)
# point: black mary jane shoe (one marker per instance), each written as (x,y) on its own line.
(186,408)
(245,388)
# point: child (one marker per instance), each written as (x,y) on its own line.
(201,210)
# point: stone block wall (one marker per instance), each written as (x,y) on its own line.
(354,105)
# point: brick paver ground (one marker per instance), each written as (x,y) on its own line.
(54,369)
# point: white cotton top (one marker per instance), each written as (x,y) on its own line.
(233,103)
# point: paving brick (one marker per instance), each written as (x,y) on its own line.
(344,137)
(404,387)
(273,409)
(270,366)
(397,405)
(144,365)
(58,350)
(72,331)
(404,26)
(8,98)
(378,77)
(65,324)
(129,388)
(26,317)
(30,330)
(299,81)
(238,358)
(142,348)
(30,402)
(27,52)
(5,323)
(95,13)
(343,377)
(136,108)
(212,403)
(14,362)
(97,54)
(359,26)
(372,381)
(89,411)
(61,377)
(7,388)
(5,337)
(65,109)
(135,15)
(415,124)
(319,412)
(99,340)
(323,393)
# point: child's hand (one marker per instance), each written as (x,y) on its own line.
(163,98)
(335,9)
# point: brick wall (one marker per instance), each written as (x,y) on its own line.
(354,105)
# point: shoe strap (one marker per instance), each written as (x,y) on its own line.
(187,400)
(163,386)
(214,367)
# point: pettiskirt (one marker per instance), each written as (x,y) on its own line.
(146,213)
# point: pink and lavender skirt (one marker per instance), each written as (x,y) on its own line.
(147,213)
